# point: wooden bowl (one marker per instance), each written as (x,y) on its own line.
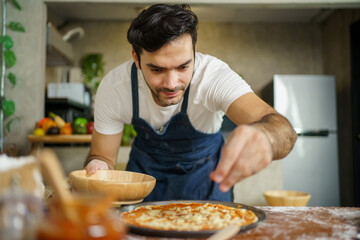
(286,198)
(123,186)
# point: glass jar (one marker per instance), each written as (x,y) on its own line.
(94,220)
(19,214)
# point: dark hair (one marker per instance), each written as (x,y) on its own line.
(160,24)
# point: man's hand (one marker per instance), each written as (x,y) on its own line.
(103,152)
(246,151)
(96,165)
(261,135)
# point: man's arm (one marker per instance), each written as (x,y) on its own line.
(104,151)
(261,135)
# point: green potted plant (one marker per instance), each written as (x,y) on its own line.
(8,60)
(92,67)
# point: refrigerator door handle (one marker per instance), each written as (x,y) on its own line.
(313,133)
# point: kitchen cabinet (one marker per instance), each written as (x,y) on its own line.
(58,51)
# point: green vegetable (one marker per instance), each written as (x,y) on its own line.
(80,120)
(128,134)
(80,126)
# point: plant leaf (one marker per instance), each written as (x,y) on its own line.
(8,124)
(16,26)
(12,78)
(11,122)
(16,4)
(8,107)
(10,58)
(7,42)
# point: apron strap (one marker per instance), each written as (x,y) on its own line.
(185,101)
(134,91)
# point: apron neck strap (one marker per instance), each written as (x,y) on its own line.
(134,90)
(185,101)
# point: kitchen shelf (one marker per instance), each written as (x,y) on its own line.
(73,138)
(38,141)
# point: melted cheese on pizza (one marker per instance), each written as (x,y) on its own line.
(188,216)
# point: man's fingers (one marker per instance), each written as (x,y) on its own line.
(230,181)
(246,152)
(96,165)
(237,173)
(230,153)
(90,170)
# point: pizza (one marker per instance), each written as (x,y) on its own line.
(188,216)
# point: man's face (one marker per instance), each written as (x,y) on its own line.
(168,71)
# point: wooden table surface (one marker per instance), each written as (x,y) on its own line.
(300,223)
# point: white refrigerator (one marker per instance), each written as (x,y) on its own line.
(309,102)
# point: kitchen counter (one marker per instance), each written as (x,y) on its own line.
(300,223)
(73,138)
(38,141)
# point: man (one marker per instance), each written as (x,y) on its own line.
(176,98)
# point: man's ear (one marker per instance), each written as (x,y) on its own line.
(136,59)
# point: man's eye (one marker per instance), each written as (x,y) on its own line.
(183,67)
(156,70)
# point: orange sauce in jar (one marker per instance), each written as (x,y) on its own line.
(94,220)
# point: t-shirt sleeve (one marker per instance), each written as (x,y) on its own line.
(222,86)
(106,113)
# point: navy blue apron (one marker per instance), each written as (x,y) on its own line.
(180,157)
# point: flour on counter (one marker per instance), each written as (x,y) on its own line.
(336,223)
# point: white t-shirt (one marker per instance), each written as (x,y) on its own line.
(214,87)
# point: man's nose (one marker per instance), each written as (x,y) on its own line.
(171,79)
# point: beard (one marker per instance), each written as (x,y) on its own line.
(161,99)
(164,101)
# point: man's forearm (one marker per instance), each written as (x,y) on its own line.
(104,148)
(280,133)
